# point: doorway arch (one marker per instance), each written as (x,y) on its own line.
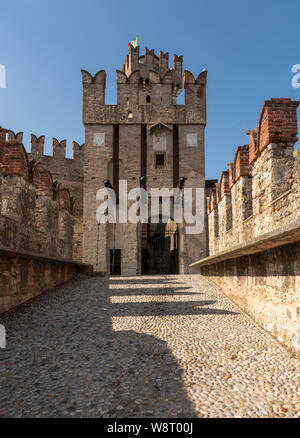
(160,245)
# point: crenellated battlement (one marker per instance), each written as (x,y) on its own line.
(51,175)
(195,89)
(150,61)
(38,145)
(253,217)
(15,138)
(77,150)
(39,232)
(58,149)
(36,223)
(152,75)
(99,78)
(260,190)
(145,81)
(14,162)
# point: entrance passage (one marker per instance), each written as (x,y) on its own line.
(160,248)
(115,262)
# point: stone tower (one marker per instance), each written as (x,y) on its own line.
(145,139)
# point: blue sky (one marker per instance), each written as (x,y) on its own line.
(248,48)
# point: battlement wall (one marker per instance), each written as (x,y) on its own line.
(145,81)
(260,190)
(58,163)
(36,226)
(35,213)
(254,225)
(150,61)
(67,172)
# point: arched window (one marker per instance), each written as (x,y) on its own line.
(130,115)
(147,81)
(148,99)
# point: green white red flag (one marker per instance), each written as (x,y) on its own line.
(133,43)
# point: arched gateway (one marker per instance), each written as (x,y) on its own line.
(160,248)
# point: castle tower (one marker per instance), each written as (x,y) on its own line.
(149,140)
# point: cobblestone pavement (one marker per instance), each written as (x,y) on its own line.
(167,346)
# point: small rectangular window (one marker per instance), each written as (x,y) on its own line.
(159,160)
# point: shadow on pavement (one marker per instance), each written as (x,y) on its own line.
(64,360)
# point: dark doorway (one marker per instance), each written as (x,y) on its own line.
(160,248)
(115,262)
(145,261)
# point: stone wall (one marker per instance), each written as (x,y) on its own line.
(122,141)
(253,222)
(35,219)
(25,276)
(266,285)
(260,191)
(69,173)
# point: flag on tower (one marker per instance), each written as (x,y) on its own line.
(133,43)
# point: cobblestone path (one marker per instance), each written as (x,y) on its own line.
(168,346)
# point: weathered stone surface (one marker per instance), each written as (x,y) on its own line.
(25,277)
(121,142)
(67,172)
(154,347)
(263,198)
(35,219)
(265,285)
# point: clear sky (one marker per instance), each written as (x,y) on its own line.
(248,48)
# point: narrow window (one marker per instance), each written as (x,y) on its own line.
(130,115)
(159,160)
(148,99)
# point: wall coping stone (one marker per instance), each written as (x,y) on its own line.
(7,252)
(289,233)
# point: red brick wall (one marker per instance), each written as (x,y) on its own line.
(15,160)
(43,181)
(278,122)
(2,144)
(241,162)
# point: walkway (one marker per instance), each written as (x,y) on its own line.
(168,346)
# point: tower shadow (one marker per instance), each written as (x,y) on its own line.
(63,359)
